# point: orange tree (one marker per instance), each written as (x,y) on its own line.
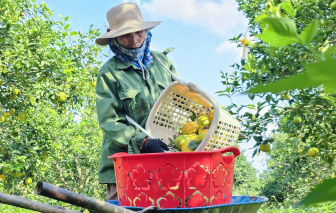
(290,72)
(245,181)
(47,109)
(291,171)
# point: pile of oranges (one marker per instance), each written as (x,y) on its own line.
(193,132)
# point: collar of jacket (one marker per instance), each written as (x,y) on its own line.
(122,65)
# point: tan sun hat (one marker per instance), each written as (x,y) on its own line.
(124,18)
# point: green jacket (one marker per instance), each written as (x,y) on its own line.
(120,91)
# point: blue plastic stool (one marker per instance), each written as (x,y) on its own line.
(240,204)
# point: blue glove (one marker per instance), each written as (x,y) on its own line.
(153,146)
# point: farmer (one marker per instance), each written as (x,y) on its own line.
(128,84)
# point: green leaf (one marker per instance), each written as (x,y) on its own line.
(66,18)
(330,99)
(193,144)
(279,31)
(171,141)
(250,106)
(322,71)
(287,6)
(261,16)
(265,141)
(326,191)
(298,81)
(309,32)
(330,87)
(299,9)
(254,152)
(258,139)
(328,53)
(73,34)
(193,116)
(66,26)
(316,74)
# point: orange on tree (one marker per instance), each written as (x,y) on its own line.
(333,5)
(15,92)
(62,97)
(3,176)
(18,174)
(30,150)
(23,116)
(265,147)
(254,117)
(93,84)
(297,119)
(283,95)
(45,156)
(12,111)
(7,114)
(4,150)
(312,152)
(28,181)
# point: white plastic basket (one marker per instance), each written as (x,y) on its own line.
(176,104)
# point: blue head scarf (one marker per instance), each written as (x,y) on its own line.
(140,57)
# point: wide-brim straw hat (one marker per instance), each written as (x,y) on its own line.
(124,18)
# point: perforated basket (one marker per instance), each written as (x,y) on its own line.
(175,180)
(175,106)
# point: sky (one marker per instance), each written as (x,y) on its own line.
(198,30)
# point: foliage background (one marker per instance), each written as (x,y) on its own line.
(277,55)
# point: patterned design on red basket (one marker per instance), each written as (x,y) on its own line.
(141,178)
(174,180)
(196,200)
(124,199)
(143,200)
(169,199)
(197,176)
(219,175)
(218,198)
(122,175)
(229,179)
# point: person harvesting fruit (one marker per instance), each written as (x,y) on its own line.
(128,84)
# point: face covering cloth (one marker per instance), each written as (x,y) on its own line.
(140,57)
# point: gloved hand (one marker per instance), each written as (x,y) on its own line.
(153,145)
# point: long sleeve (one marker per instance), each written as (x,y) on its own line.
(112,116)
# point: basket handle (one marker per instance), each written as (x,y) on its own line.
(232,149)
(172,74)
(194,88)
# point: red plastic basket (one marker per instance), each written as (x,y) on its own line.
(175,180)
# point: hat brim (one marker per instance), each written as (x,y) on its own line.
(127,28)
